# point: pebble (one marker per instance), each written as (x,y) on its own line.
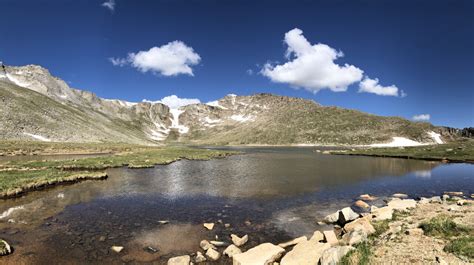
(117,249)
(208,226)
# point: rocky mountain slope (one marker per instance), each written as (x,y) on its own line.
(37,105)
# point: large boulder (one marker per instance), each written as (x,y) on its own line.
(354,237)
(293,242)
(305,253)
(332,218)
(332,255)
(361,223)
(232,250)
(383,213)
(180,260)
(330,237)
(263,254)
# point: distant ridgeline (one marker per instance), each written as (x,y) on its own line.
(38,106)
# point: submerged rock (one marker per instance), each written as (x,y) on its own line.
(361,204)
(117,249)
(239,241)
(265,253)
(332,255)
(400,195)
(204,244)
(5,248)
(180,260)
(367,197)
(199,257)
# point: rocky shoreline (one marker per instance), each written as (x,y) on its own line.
(355,228)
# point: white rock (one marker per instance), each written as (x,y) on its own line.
(436,199)
(199,257)
(232,250)
(332,255)
(117,248)
(347,215)
(264,254)
(212,254)
(383,213)
(180,260)
(208,226)
(204,244)
(400,195)
(305,253)
(6,249)
(354,237)
(239,241)
(332,218)
(317,236)
(424,200)
(218,243)
(293,242)
(330,237)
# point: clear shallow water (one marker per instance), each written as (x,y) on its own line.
(281,191)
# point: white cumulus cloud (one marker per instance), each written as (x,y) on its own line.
(110,4)
(170,59)
(422,117)
(175,102)
(372,86)
(312,67)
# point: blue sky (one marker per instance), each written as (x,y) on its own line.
(425,48)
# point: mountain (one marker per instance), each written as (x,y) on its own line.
(37,105)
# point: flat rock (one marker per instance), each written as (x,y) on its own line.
(402,205)
(305,253)
(232,250)
(213,254)
(454,193)
(264,254)
(347,215)
(208,226)
(333,255)
(239,241)
(180,260)
(330,237)
(317,236)
(293,242)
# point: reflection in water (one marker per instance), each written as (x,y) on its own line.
(281,190)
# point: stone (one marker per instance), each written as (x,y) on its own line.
(445,197)
(354,237)
(361,204)
(204,244)
(461,202)
(163,222)
(199,257)
(208,226)
(373,208)
(454,193)
(436,199)
(102,238)
(226,225)
(212,254)
(383,213)
(293,242)
(439,260)
(305,253)
(361,223)
(367,197)
(402,205)
(265,253)
(218,243)
(117,249)
(472,195)
(232,250)
(347,215)
(454,208)
(330,237)
(414,232)
(239,241)
(424,200)
(5,248)
(400,195)
(333,255)
(317,236)
(180,260)
(332,218)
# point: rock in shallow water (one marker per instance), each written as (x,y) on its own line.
(232,250)
(5,248)
(239,241)
(347,215)
(212,254)
(208,226)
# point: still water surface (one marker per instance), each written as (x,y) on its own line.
(281,191)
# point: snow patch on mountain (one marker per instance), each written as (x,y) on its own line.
(436,137)
(38,137)
(398,142)
(241,118)
(175,121)
(16,81)
(215,103)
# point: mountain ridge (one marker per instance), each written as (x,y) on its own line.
(69,114)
